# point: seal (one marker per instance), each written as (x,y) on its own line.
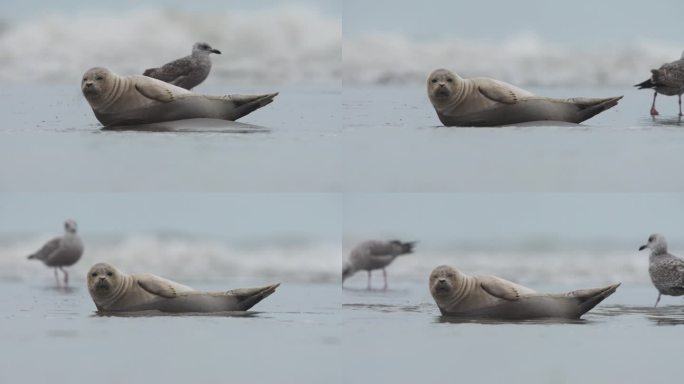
(114,291)
(131,100)
(483,102)
(458,294)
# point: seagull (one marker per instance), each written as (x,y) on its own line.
(374,254)
(667,80)
(666,270)
(186,72)
(62,251)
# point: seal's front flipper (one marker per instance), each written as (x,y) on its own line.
(248,297)
(155,92)
(498,288)
(160,287)
(497,92)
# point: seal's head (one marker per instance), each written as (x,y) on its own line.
(441,85)
(656,243)
(70,226)
(444,280)
(203,48)
(96,84)
(103,281)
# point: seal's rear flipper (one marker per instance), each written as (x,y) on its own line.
(248,297)
(591,107)
(246,104)
(589,298)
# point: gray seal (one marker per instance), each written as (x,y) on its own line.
(483,102)
(666,270)
(458,294)
(114,291)
(374,254)
(186,72)
(62,251)
(131,100)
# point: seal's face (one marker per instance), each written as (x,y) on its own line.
(95,84)
(443,280)
(102,277)
(441,84)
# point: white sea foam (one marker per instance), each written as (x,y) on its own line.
(180,257)
(558,267)
(524,59)
(284,45)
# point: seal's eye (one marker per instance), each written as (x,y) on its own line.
(450,80)
(98,78)
(93,274)
(109,274)
(433,81)
(84,79)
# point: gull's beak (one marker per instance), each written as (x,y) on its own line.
(643,247)
(215,51)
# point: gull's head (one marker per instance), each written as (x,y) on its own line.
(656,243)
(203,48)
(70,226)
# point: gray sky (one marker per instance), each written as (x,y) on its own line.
(450,218)
(14,9)
(575,22)
(226,216)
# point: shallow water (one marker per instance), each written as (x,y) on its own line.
(395,143)
(624,339)
(60,145)
(55,335)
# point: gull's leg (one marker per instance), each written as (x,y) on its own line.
(653,110)
(657,301)
(57,278)
(369,280)
(680,106)
(384,275)
(66,276)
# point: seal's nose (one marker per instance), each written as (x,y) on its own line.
(441,85)
(88,83)
(102,278)
(442,281)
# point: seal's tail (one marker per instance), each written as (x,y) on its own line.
(248,297)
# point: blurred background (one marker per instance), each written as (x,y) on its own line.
(526,42)
(527,237)
(266,42)
(190,236)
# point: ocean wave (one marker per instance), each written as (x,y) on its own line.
(285,45)
(570,267)
(184,258)
(524,59)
